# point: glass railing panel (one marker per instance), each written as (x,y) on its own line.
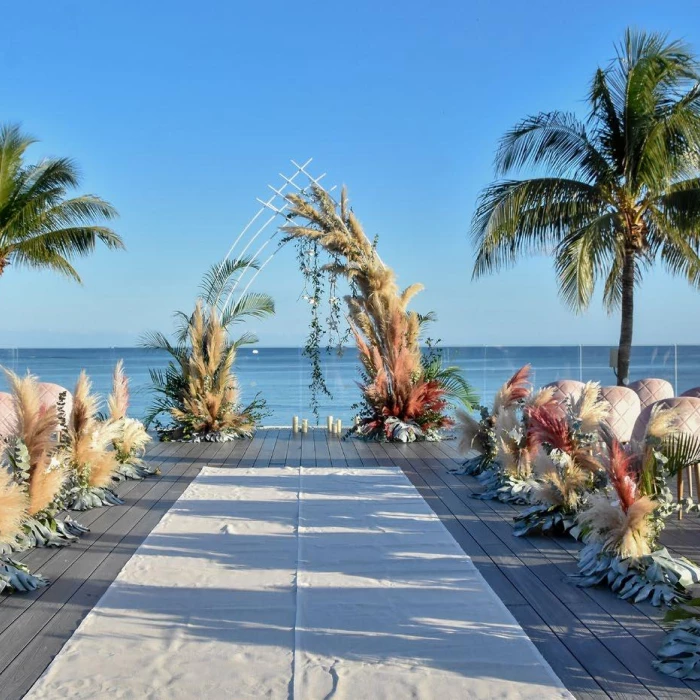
(548,364)
(688,367)
(282,375)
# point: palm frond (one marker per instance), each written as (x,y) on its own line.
(220,278)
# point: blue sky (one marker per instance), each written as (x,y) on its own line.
(181,113)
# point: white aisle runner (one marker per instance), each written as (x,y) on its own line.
(299,584)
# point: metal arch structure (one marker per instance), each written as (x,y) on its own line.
(276,206)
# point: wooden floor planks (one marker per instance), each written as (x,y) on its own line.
(599,645)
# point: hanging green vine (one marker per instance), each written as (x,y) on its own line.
(320,289)
(307,256)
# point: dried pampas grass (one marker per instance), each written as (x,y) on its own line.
(622,526)
(118,402)
(590,409)
(14,505)
(541,397)
(132,439)
(624,533)
(663,423)
(89,440)
(513,448)
(512,392)
(468,432)
(36,428)
(210,399)
(101,459)
(560,485)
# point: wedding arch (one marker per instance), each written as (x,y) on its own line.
(405,391)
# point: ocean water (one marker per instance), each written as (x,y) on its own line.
(282,375)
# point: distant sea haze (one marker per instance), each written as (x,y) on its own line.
(282,375)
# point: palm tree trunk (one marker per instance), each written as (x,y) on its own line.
(625,348)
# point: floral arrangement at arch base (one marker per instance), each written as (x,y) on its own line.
(621,527)
(565,439)
(132,437)
(198,393)
(405,394)
(36,465)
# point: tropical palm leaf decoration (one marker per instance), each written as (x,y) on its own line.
(617,191)
(679,655)
(37,467)
(566,462)
(403,399)
(132,439)
(198,392)
(40,225)
(478,439)
(88,453)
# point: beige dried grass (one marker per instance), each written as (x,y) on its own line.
(36,427)
(89,440)
(626,534)
(14,504)
(591,409)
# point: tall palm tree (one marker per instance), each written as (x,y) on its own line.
(616,193)
(39,226)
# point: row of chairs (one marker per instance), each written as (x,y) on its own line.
(631,406)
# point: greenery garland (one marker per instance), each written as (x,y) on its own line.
(315,292)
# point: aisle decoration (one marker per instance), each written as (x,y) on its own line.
(480,435)
(511,478)
(566,438)
(14,503)
(198,392)
(132,437)
(621,526)
(86,450)
(404,398)
(33,455)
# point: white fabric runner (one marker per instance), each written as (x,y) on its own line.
(299,584)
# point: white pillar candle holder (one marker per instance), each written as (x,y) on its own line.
(295,424)
(329,424)
(305,425)
(338,426)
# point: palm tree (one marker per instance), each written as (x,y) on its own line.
(616,193)
(39,226)
(198,391)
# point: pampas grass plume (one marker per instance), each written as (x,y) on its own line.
(13,507)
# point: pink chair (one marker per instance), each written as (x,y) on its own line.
(688,421)
(652,390)
(7,415)
(49,394)
(565,388)
(694,393)
(625,408)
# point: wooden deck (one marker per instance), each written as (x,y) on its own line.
(599,646)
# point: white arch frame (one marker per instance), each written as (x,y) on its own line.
(276,204)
